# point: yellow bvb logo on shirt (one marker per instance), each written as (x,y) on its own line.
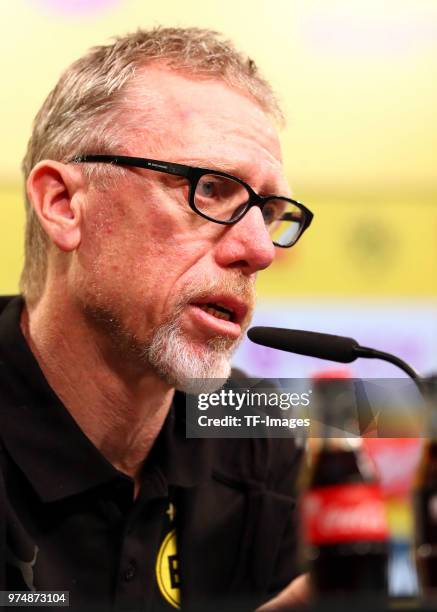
(167,570)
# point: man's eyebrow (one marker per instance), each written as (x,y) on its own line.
(230,168)
(233,168)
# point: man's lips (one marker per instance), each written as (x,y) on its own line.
(224,307)
(218,315)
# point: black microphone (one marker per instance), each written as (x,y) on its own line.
(312,344)
(325,346)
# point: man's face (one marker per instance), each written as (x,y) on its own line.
(149,270)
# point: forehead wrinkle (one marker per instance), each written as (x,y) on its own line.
(164,94)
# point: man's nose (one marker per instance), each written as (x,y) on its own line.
(247,244)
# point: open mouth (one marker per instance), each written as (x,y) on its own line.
(218,310)
(227,311)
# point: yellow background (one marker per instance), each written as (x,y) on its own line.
(357,82)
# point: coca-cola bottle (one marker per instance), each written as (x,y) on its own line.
(425,502)
(343,516)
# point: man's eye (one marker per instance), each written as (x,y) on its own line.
(208,189)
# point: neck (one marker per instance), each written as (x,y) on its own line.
(120,408)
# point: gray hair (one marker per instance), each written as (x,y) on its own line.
(93,87)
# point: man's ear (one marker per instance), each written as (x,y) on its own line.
(53,189)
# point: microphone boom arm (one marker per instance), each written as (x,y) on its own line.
(369,353)
(327,346)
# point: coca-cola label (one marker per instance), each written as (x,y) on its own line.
(344,513)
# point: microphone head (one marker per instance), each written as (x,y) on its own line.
(311,344)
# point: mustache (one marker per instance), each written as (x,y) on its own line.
(239,287)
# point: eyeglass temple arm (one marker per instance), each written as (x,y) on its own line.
(135,162)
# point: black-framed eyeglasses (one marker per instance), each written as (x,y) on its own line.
(223,198)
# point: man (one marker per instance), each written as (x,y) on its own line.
(139,281)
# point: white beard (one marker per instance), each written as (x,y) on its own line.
(186,365)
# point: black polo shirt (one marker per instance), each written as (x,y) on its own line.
(69,521)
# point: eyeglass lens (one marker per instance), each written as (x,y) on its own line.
(221,198)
